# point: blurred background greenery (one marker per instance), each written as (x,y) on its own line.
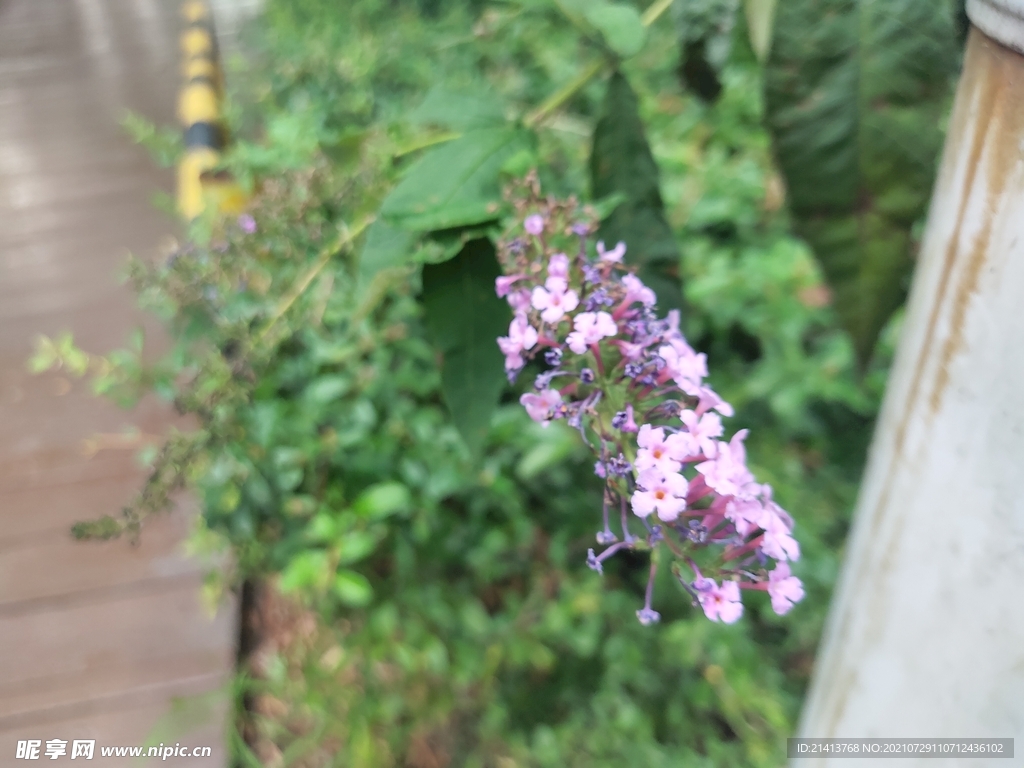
(443,614)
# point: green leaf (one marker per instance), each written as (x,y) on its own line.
(448,243)
(607,205)
(461,110)
(619,25)
(355,545)
(621,163)
(382,500)
(352,588)
(554,446)
(324,389)
(457,183)
(308,570)
(465,317)
(386,247)
(521,163)
(45,356)
(164,144)
(322,528)
(760,15)
(855,94)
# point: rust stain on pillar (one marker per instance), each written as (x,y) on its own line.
(998,70)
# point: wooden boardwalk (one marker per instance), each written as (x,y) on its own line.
(96,640)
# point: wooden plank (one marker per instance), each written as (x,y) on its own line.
(31,513)
(189,712)
(28,573)
(52,429)
(81,652)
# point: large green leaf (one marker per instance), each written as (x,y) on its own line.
(619,25)
(465,317)
(855,95)
(457,183)
(621,162)
(386,247)
(470,107)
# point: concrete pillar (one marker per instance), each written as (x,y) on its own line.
(926,633)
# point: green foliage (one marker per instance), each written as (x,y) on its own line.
(489,643)
(51,354)
(462,110)
(386,247)
(616,26)
(621,162)
(619,25)
(464,317)
(165,145)
(456,184)
(856,92)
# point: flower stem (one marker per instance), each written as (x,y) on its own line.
(597,356)
(654,10)
(625,520)
(556,100)
(732,554)
(649,593)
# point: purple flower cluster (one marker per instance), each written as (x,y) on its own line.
(633,387)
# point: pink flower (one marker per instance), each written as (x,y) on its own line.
(685,367)
(629,350)
(672,321)
(675,339)
(521,336)
(534,224)
(541,406)
(727,473)
(665,494)
(777,543)
(720,603)
(558,266)
(590,327)
(503,284)
(710,399)
(637,291)
(701,431)
(554,300)
(613,256)
(519,301)
(658,452)
(784,589)
(745,514)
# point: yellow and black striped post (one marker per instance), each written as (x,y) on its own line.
(199,109)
